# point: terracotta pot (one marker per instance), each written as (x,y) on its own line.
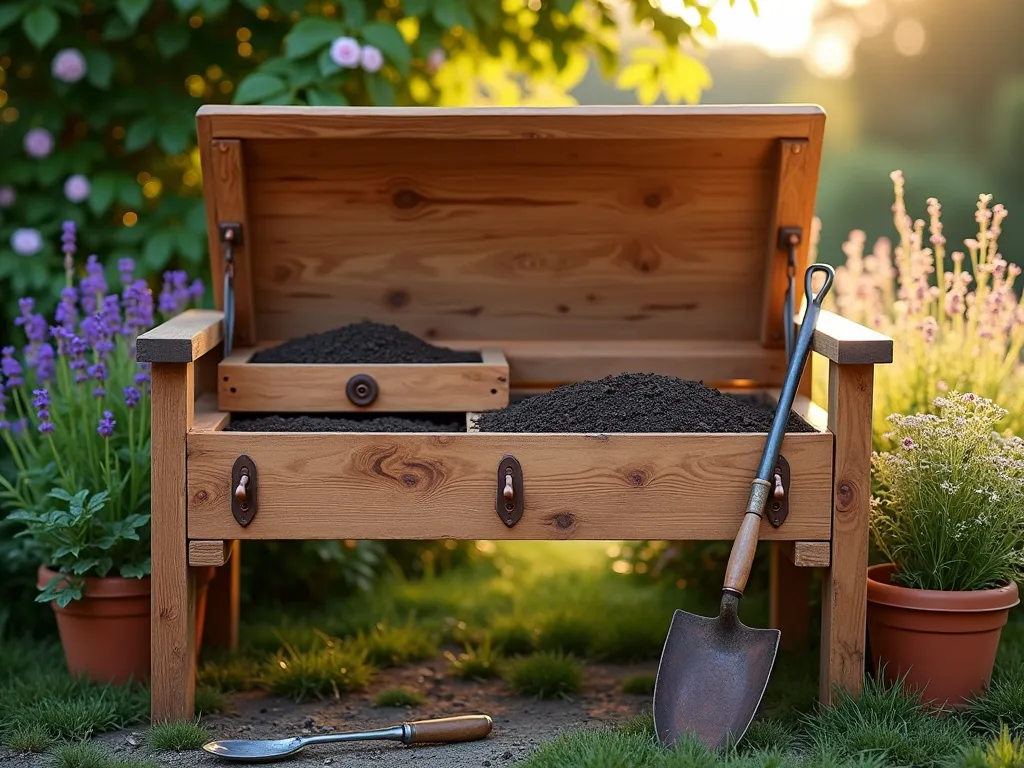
(945,643)
(105,634)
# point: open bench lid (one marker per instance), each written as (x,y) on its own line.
(582,240)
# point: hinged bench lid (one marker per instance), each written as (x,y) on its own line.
(593,230)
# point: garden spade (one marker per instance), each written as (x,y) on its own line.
(445,729)
(714,671)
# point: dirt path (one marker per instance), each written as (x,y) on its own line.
(521,724)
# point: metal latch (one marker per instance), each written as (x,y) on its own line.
(362,389)
(243,490)
(778,506)
(509,504)
(230,236)
(790,239)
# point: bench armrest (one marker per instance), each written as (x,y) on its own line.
(848,343)
(182,339)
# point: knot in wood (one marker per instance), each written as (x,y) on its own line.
(564,521)
(844,494)
(652,200)
(398,299)
(202,496)
(638,478)
(405,199)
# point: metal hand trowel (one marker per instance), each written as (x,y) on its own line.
(714,671)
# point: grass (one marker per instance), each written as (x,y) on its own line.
(392,646)
(567,633)
(327,671)
(513,637)
(481,662)
(640,685)
(175,737)
(85,755)
(546,675)
(399,697)
(210,701)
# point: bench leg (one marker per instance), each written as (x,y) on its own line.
(173,589)
(844,587)
(787,607)
(221,625)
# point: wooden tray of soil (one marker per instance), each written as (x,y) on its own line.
(361,367)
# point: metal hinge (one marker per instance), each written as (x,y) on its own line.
(230,236)
(790,239)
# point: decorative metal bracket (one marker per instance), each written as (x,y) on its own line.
(778,504)
(509,502)
(230,236)
(243,490)
(790,238)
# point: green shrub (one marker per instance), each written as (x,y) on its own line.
(480,662)
(546,675)
(317,673)
(399,697)
(1003,751)
(568,633)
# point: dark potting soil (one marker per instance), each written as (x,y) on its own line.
(636,402)
(306,423)
(362,343)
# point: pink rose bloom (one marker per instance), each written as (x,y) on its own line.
(68,65)
(436,59)
(38,143)
(26,242)
(7,196)
(371,59)
(77,188)
(345,52)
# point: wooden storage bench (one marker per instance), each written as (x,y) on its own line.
(577,243)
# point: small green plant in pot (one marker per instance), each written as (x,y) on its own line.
(949,517)
(75,417)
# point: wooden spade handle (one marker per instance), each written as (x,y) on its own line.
(462,728)
(742,556)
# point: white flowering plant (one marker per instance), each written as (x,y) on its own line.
(949,513)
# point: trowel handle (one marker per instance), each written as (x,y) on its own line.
(448,729)
(742,556)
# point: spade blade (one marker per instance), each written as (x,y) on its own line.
(711,678)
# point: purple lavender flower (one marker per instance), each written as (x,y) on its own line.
(77,349)
(138,307)
(67,311)
(38,143)
(67,237)
(175,294)
(11,368)
(98,371)
(94,285)
(77,188)
(18,427)
(132,396)
(34,324)
(126,267)
(43,362)
(106,425)
(41,402)
(196,290)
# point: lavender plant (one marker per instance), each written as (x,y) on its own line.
(950,511)
(75,417)
(955,319)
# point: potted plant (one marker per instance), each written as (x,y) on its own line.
(75,416)
(949,518)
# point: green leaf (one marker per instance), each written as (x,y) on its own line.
(281,99)
(188,5)
(382,94)
(326,64)
(158,250)
(130,194)
(133,10)
(140,133)
(354,13)
(392,44)
(171,39)
(452,13)
(416,7)
(564,6)
(190,246)
(100,67)
(52,168)
(117,29)
(96,502)
(320,98)
(173,136)
(304,75)
(215,8)
(257,88)
(40,25)
(10,13)
(195,219)
(311,34)
(137,570)
(101,194)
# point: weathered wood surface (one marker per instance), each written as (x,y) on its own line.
(807,554)
(420,486)
(208,552)
(848,343)
(182,339)
(283,388)
(208,417)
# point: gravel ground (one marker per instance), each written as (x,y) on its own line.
(521,724)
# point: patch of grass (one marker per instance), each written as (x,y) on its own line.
(596,749)
(769,735)
(631,634)
(392,646)
(640,685)
(399,697)
(234,674)
(331,670)
(792,688)
(566,633)
(28,737)
(884,722)
(1002,704)
(546,675)
(175,737)
(481,662)
(209,700)
(513,637)
(86,755)
(1003,751)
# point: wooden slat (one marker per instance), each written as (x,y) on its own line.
(222,602)
(173,592)
(422,486)
(788,598)
(208,417)
(403,387)
(208,552)
(226,193)
(844,589)
(808,554)
(587,122)
(182,339)
(848,343)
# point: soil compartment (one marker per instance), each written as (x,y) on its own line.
(354,423)
(636,403)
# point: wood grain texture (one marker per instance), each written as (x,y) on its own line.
(807,554)
(848,343)
(496,123)
(173,663)
(430,486)
(246,387)
(208,417)
(182,339)
(222,602)
(208,552)
(844,589)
